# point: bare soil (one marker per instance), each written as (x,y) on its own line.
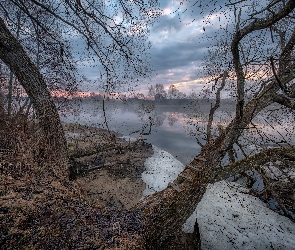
(116,185)
(40,208)
(111,176)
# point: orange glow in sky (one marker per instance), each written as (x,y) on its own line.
(82,94)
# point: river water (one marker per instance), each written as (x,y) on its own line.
(173,130)
(167,130)
(174,126)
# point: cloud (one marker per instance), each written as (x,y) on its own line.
(179,44)
(177,54)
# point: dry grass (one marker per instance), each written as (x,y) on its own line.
(126,243)
(40,208)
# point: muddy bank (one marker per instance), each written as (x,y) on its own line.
(111,178)
(41,209)
(109,168)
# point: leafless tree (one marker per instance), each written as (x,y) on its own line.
(271,74)
(165,212)
(57,68)
(114,33)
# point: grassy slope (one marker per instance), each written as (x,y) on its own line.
(41,209)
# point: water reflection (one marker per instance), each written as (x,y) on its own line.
(175,128)
(172,118)
(165,130)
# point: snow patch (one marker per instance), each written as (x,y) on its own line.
(128,138)
(272,172)
(229,217)
(161,168)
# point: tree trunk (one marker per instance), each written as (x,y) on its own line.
(13,55)
(1,104)
(165,212)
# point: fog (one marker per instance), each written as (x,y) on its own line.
(174,125)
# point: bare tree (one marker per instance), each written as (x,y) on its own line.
(166,211)
(51,55)
(174,93)
(114,33)
(152,91)
(159,89)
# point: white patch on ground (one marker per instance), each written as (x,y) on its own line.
(229,218)
(128,138)
(274,173)
(161,168)
(72,135)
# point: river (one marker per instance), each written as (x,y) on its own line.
(174,126)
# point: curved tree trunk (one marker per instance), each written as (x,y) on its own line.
(13,55)
(166,211)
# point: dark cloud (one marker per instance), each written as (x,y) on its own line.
(176,55)
(178,43)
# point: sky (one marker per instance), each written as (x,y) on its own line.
(178,48)
(181,38)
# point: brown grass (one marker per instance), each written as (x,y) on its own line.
(39,207)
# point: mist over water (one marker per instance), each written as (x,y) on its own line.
(172,126)
(166,130)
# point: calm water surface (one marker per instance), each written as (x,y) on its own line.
(169,126)
(169,130)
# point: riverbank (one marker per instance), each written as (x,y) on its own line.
(112,166)
(40,208)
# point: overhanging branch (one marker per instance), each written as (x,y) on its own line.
(276,76)
(217,104)
(285,101)
(258,24)
(257,160)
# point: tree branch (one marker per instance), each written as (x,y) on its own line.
(263,23)
(264,9)
(258,24)
(283,100)
(217,104)
(241,148)
(14,56)
(268,186)
(276,76)
(284,66)
(237,2)
(285,55)
(253,161)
